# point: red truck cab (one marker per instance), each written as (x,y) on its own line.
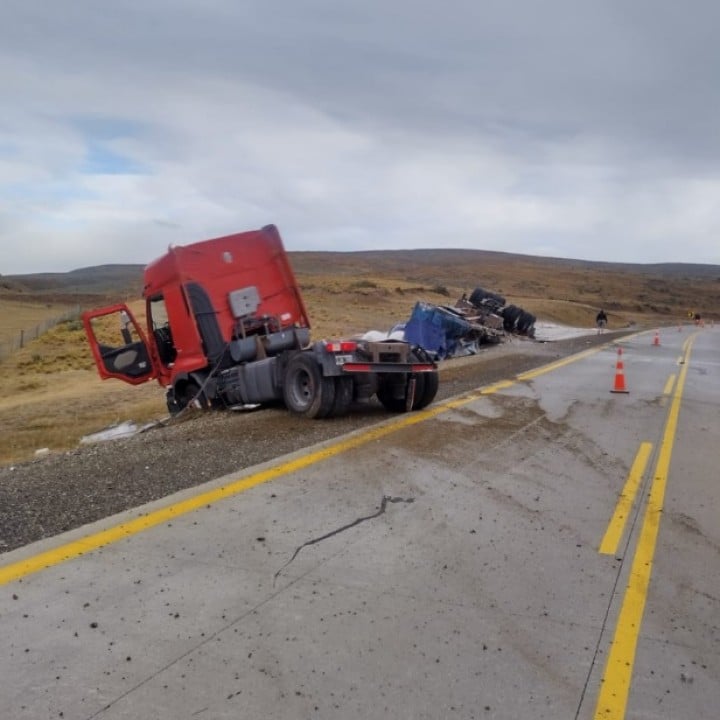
(226,325)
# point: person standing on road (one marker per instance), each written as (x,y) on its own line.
(601,321)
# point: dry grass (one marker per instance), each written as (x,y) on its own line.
(55,411)
(50,394)
(17,315)
(23,317)
(342,307)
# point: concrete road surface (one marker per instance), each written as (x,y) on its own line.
(542,548)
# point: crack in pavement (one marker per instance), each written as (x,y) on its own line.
(383,505)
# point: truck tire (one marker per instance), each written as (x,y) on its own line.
(426,390)
(343,396)
(479,297)
(183,394)
(525,322)
(172,404)
(510,315)
(305,390)
(394,400)
(389,392)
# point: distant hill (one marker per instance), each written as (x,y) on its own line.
(396,260)
(85,285)
(664,288)
(657,289)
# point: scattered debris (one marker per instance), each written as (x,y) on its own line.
(115,432)
(444,331)
(448,332)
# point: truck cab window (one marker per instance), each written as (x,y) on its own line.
(157,312)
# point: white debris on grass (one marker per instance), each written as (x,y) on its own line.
(124,429)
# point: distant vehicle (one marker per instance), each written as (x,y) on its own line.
(227,327)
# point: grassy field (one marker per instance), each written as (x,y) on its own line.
(50,394)
(21,321)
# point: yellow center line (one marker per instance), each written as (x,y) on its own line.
(615,686)
(669,385)
(70,550)
(616,527)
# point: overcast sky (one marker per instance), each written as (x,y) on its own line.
(570,129)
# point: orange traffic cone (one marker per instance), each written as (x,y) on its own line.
(656,339)
(619,386)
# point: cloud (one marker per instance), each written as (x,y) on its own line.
(576,131)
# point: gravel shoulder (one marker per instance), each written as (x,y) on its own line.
(61,492)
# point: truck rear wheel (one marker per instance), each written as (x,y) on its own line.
(426,389)
(305,391)
(392,392)
(343,396)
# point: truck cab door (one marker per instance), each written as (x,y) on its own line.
(118,345)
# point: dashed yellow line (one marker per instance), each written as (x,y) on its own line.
(615,686)
(616,527)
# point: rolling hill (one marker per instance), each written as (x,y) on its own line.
(657,289)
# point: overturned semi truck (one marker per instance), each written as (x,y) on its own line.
(226,326)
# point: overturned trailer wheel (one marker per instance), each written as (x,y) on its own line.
(480,297)
(305,390)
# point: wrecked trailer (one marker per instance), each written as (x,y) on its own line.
(483,318)
(447,332)
(487,307)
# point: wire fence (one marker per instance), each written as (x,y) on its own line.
(26,335)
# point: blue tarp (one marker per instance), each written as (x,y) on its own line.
(435,329)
